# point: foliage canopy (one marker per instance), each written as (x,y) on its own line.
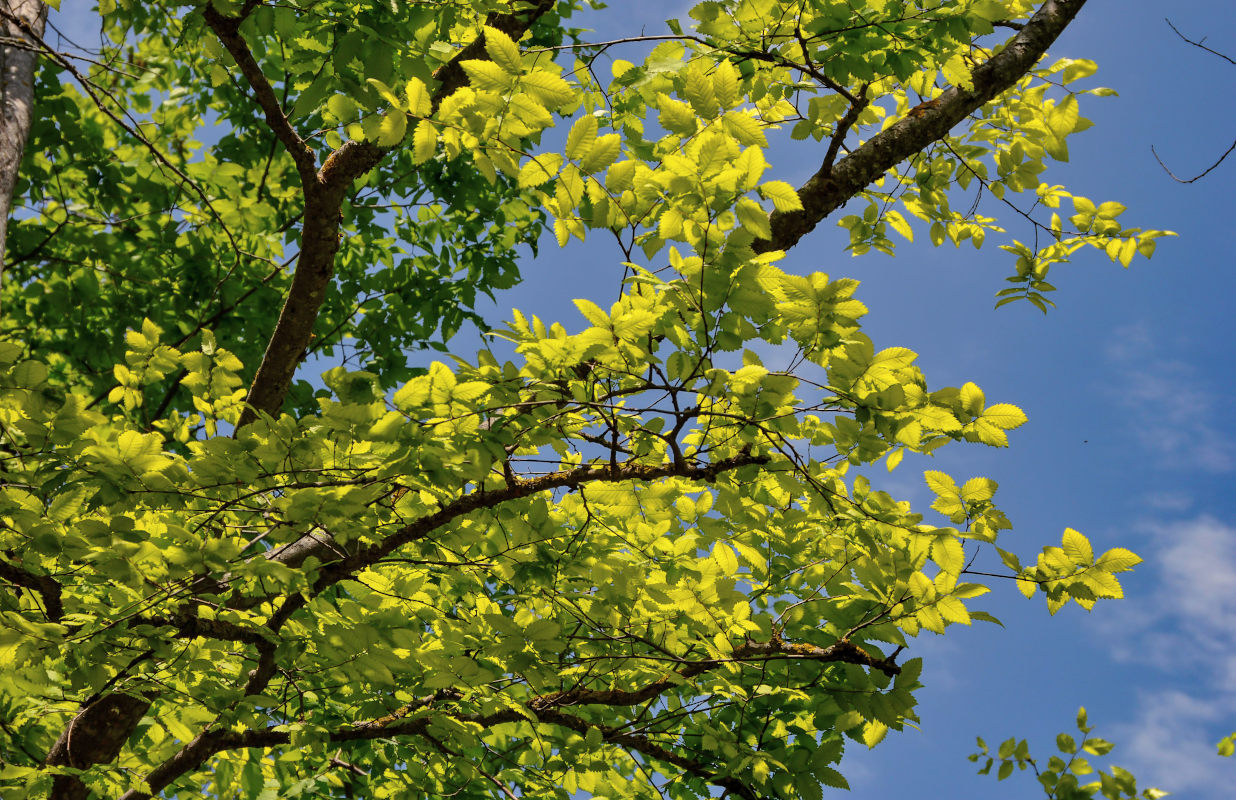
(622,556)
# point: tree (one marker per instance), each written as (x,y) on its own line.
(626,558)
(20,22)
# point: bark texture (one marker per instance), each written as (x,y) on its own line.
(324,194)
(830,187)
(95,735)
(21,24)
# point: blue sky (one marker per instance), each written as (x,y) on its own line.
(1128,385)
(1131,439)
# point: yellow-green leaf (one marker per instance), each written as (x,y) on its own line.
(744,128)
(391,129)
(539,169)
(604,150)
(424,142)
(592,312)
(784,196)
(1118,559)
(503,50)
(582,136)
(1077,547)
(419,102)
(676,117)
(752,217)
(1004,415)
(725,84)
(388,94)
(486,75)
(551,90)
(940,483)
(978,489)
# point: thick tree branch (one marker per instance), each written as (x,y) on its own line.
(94,735)
(832,186)
(840,651)
(191,627)
(45,585)
(228,31)
(289,342)
(209,743)
(515,489)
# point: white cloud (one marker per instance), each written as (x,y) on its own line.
(1168,746)
(1186,629)
(1172,412)
(1169,501)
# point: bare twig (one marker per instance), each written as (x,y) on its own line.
(1198,44)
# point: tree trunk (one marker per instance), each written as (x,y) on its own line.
(20,21)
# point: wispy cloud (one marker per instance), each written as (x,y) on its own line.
(1167,745)
(1171,409)
(1186,629)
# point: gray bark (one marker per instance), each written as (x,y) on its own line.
(21,23)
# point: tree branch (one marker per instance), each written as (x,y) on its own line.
(212,742)
(95,735)
(289,342)
(45,585)
(190,626)
(1198,44)
(228,31)
(841,650)
(209,742)
(832,186)
(519,488)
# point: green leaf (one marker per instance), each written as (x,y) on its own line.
(390,131)
(726,560)
(582,137)
(388,94)
(725,84)
(1004,416)
(784,196)
(549,89)
(593,313)
(487,76)
(539,169)
(1077,547)
(676,117)
(752,217)
(744,128)
(978,489)
(941,483)
(972,400)
(602,154)
(424,142)
(503,50)
(341,107)
(898,223)
(949,554)
(419,101)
